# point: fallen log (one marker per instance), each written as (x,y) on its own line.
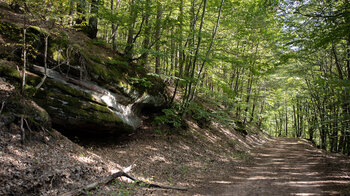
(110,178)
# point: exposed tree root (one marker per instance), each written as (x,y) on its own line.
(110,178)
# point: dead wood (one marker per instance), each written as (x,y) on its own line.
(110,178)
(2,106)
(22,130)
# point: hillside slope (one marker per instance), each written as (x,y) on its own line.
(82,84)
(49,163)
(98,99)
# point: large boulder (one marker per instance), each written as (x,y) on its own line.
(87,87)
(83,105)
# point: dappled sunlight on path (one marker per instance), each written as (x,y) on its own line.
(287,167)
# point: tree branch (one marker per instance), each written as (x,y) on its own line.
(110,178)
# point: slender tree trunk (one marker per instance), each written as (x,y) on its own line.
(262,108)
(195,58)
(45,62)
(146,40)
(298,116)
(254,104)
(208,51)
(249,91)
(323,130)
(181,52)
(295,121)
(280,123)
(286,115)
(113,27)
(130,38)
(92,29)
(158,35)
(172,52)
(277,126)
(337,63)
(24,54)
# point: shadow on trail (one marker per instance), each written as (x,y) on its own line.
(288,167)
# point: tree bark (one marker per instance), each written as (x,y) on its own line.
(158,36)
(24,53)
(146,40)
(92,28)
(130,40)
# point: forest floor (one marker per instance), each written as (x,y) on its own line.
(211,160)
(199,159)
(286,166)
(279,166)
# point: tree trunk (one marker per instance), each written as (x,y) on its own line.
(113,27)
(45,62)
(208,51)
(146,40)
(130,40)
(286,115)
(295,121)
(92,28)
(24,53)
(181,52)
(249,91)
(158,36)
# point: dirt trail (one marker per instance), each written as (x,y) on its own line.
(287,167)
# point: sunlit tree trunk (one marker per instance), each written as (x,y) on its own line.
(131,23)
(180,52)
(158,36)
(146,40)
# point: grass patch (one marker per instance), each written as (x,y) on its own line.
(242,155)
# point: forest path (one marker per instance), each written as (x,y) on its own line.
(287,166)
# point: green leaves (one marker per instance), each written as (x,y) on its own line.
(169,117)
(141,81)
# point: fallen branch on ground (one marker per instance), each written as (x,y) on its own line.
(22,130)
(2,106)
(112,177)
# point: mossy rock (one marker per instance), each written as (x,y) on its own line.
(30,110)
(10,31)
(8,70)
(77,111)
(73,108)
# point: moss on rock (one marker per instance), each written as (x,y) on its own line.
(79,59)
(8,70)
(78,111)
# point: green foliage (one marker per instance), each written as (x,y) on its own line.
(233,143)
(283,65)
(242,155)
(158,131)
(8,70)
(99,42)
(141,81)
(10,31)
(123,188)
(200,114)
(170,117)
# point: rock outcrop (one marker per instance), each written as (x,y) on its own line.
(87,87)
